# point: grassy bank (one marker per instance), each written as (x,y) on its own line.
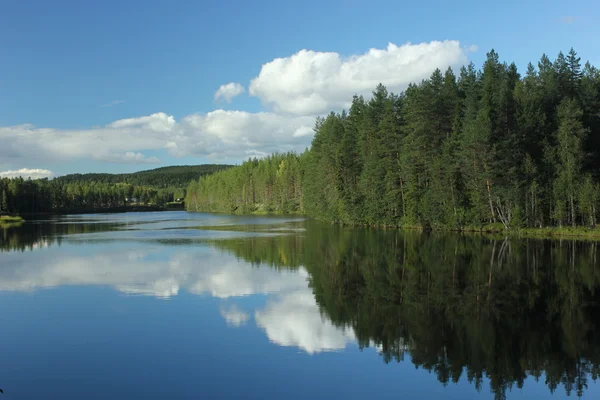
(8,221)
(9,218)
(240,211)
(579,232)
(546,232)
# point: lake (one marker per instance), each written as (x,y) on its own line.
(176,305)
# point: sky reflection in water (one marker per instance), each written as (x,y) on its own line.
(154,305)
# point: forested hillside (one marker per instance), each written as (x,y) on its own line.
(486,146)
(94,192)
(175,176)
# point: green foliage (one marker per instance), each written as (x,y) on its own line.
(273,184)
(8,218)
(489,148)
(569,160)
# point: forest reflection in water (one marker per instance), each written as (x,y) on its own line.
(461,306)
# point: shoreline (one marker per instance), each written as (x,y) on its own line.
(116,210)
(577,232)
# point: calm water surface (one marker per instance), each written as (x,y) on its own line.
(187,306)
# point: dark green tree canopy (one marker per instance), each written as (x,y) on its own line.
(486,147)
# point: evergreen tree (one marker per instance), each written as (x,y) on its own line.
(490,146)
(574,74)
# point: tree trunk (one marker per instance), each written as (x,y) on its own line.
(402,194)
(489,191)
(572,211)
(453,201)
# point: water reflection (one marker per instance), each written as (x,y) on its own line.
(290,318)
(462,307)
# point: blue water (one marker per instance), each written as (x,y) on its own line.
(151,308)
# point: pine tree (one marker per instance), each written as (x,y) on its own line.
(372,182)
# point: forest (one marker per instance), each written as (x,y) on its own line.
(177,176)
(150,189)
(486,147)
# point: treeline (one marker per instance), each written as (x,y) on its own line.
(273,184)
(20,196)
(96,192)
(485,147)
(178,176)
(462,307)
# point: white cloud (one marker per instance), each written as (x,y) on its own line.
(219,135)
(34,173)
(229,91)
(310,82)
(234,316)
(157,122)
(297,88)
(113,103)
(294,319)
(234,134)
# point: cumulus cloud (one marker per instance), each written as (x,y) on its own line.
(219,135)
(310,82)
(113,103)
(234,316)
(231,134)
(296,88)
(25,173)
(229,91)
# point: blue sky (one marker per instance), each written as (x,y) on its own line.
(70,69)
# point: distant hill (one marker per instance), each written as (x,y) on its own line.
(174,176)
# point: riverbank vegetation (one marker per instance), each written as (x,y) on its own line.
(488,146)
(8,221)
